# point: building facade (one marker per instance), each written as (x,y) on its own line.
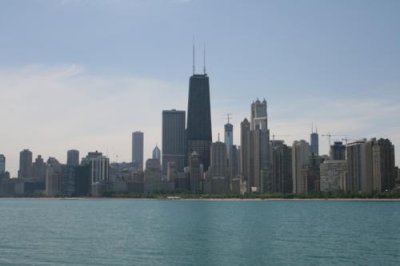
(282,168)
(99,166)
(333,175)
(25,164)
(300,164)
(173,140)
(384,171)
(337,151)
(195,173)
(39,169)
(245,150)
(156,154)
(218,166)
(228,139)
(199,133)
(72,158)
(2,164)
(314,141)
(137,150)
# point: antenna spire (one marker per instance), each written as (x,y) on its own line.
(229,116)
(194,51)
(204,59)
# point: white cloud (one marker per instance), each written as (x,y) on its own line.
(52,109)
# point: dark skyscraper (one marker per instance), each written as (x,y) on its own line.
(199,137)
(72,158)
(25,164)
(173,139)
(314,142)
(338,151)
(137,150)
(2,163)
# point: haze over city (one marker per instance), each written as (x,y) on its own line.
(86,74)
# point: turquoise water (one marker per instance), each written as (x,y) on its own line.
(151,232)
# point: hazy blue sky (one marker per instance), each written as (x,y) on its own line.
(85,74)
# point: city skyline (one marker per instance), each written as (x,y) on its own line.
(54,100)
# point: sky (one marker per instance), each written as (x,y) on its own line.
(85,74)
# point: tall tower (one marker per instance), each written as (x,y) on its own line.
(259,116)
(245,149)
(173,139)
(25,164)
(2,163)
(73,158)
(199,137)
(137,150)
(228,139)
(300,162)
(261,150)
(282,168)
(384,165)
(314,140)
(156,154)
(359,166)
(229,147)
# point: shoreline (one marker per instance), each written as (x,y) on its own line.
(218,199)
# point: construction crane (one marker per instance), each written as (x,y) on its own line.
(346,140)
(273,136)
(329,135)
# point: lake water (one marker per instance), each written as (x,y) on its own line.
(153,232)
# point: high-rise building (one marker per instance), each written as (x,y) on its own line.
(254,183)
(371,166)
(25,164)
(356,165)
(282,168)
(314,141)
(218,166)
(137,150)
(338,151)
(195,173)
(39,169)
(73,158)
(156,154)
(300,163)
(235,163)
(259,116)
(333,175)
(384,173)
(173,140)
(256,167)
(312,173)
(199,134)
(54,182)
(99,167)
(229,148)
(360,167)
(2,164)
(217,178)
(245,150)
(152,176)
(260,155)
